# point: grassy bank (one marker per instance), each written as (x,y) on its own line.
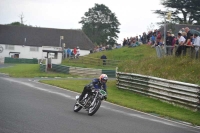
(143,60)
(122,54)
(29,70)
(134,101)
(182,69)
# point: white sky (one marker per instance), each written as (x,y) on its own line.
(134,15)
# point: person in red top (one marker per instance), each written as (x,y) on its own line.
(75,52)
(158,38)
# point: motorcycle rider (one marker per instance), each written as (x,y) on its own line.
(96,83)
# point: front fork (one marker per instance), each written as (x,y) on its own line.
(95,98)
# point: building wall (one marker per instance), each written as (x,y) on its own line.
(25,52)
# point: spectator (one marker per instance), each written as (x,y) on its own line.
(69,52)
(118,46)
(103,57)
(181,41)
(74,52)
(173,43)
(78,52)
(140,38)
(137,39)
(153,39)
(144,38)
(158,38)
(125,42)
(169,40)
(196,45)
(187,41)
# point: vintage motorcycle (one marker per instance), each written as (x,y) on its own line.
(91,101)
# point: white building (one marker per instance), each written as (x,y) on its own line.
(40,43)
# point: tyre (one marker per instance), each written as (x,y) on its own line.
(94,109)
(77,107)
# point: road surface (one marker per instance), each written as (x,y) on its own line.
(27,106)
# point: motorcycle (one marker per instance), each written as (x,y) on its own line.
(91,101)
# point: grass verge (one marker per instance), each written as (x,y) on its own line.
(29,70)
(134,101)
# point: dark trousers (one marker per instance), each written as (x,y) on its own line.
(180,49)
(85,91)
(184,48)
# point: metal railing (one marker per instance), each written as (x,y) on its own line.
(190,51)
(180,93)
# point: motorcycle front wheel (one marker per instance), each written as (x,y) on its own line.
(94,109)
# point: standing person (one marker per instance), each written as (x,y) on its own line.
(78,52)
(173,43)
(153,38)
(69,52)
(103,57)
(187,41)
(144,38)
(196,45)
(169,40)
(181,41)
(124,42)
(158,38)
(75,52)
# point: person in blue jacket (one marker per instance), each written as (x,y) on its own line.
(69,52)
(96,83)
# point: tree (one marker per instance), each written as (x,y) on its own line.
(183,11)
(100,25)
(18,24)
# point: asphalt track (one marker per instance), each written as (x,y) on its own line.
(27,106)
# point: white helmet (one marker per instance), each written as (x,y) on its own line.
(103,78)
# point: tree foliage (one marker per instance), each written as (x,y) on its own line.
(183,11)
(100,25)
(18,24)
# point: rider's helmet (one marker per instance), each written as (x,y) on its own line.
(103,78)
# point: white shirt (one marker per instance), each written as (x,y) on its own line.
(181,39)
(78,51)
(197,43)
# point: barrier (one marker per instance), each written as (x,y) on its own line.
(180,93)
(60,68)
(82,71)
(43,68)
(20,60)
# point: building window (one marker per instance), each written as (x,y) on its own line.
(10,47)
(34,49)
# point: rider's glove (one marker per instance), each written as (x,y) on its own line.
(105,97)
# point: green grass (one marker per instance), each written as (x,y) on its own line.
(29,70)
(143,60)
(134,101)
(121,54)
(126,53)
(182,69)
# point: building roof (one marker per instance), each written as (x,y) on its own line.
(35,36)
(177,27)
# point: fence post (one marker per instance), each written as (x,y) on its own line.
(116,72)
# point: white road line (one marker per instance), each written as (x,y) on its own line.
(39,88)
(170,122)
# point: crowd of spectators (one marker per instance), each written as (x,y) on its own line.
(185,39)
(72,53)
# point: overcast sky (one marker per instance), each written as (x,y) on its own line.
(134,15)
